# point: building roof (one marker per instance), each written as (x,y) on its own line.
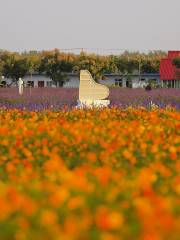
(173,54)
(167,70)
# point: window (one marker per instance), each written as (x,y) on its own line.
(129,84)
(40,83)
(30,83)
(49,84)
(3,84)
(118,82)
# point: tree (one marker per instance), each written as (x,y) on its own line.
(1,67)
(55,66)
(97,65)
(176,62)
(111,65)
(15,66)
(33,60)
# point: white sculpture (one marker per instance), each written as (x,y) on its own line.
(20,85)
(91,93)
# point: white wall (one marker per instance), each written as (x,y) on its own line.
(74,81)
(36,78)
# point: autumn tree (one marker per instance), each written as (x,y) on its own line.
(33,60)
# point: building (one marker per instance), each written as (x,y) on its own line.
(119,80)
(170,74)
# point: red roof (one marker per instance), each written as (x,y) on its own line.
(173,54)
(167,70)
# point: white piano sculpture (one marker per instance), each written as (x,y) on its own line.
(91,94)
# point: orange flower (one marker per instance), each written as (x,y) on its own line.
(80,174)
(10,167)
(75,202)
(108,220)
(128,155)
(53,164)
(48,217)
(91,156)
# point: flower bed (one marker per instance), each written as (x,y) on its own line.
(90,174)
(55,99)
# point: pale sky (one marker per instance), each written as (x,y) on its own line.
(121,24)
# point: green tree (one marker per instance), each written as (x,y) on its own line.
(33,60)
(1,67)
(55,66)
(176,62)
(15,66)
(97,65)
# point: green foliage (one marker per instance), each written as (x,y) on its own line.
(56,64)
(15,66)
(96,64)
(33,62)
(1,67)
(126,65)
(55,67)
(176,62)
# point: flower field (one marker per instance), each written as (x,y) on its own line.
(56,98)
(110,174)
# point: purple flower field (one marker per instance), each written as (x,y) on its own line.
(57,98)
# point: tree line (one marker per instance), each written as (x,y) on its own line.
(56,64)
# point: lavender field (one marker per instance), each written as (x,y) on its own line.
(57,98)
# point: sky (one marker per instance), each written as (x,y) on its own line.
(92,24)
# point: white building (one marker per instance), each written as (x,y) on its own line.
(131,80)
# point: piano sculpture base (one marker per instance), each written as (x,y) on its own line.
(91,94)
(92,103)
